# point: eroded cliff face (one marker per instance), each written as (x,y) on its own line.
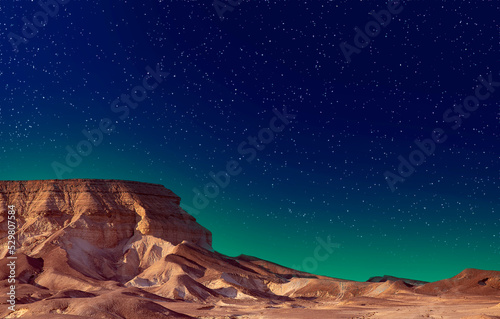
(109,229)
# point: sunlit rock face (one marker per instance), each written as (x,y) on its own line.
(108,228)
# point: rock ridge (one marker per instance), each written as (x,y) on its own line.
(107,227)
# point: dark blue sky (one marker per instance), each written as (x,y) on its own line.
(323,174)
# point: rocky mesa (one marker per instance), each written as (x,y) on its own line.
(108,229)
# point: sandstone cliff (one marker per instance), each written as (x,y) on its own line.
(109,229)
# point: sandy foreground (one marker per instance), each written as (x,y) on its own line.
(399,307)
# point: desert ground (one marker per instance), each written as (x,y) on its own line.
(118,249)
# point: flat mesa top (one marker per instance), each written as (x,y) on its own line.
(79,185)
(79,180)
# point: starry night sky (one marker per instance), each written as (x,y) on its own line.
(323,174)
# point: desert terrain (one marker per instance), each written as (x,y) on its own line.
(121,249)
